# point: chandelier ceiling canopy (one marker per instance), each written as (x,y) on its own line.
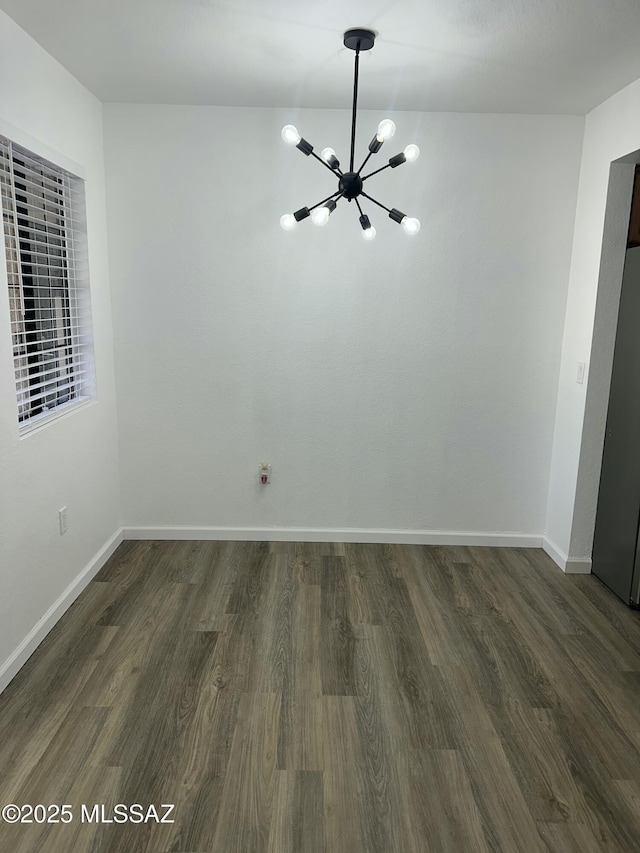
(351,183)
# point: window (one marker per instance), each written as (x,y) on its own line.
(43,215)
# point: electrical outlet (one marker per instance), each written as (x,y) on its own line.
(265,473)
(62,518)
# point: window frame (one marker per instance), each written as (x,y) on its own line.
(63,308)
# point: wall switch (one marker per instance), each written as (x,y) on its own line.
(62,518)
(265,473)
(581,369)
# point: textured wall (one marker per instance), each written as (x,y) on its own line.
(72,461)
(405,383)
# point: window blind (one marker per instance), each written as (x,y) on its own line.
(44,224)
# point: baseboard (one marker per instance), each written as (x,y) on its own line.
(337,534)
(578,567)
(37,634)
(570,567)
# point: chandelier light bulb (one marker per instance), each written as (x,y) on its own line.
(327,154)
(320,216)
(288,221)
(386,129)
(369,233)
(411,152)
(290,134)
(410,225)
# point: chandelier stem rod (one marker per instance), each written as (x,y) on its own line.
(381,169)
(320,160)
(328,198)
(376,202)
(359,208)
(355,105)
(365,162)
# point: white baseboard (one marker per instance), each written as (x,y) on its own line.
(578,567)
(570,567)
(40,630)
(337,534)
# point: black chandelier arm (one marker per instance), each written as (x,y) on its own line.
(393,163)
(337,195)
(395,214)
(364,162)
(381,169)
(359,208)
(355,104)
(376,202)
(336,171)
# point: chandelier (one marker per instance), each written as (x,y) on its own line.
(351,183)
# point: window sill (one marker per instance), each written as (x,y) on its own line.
(39,422)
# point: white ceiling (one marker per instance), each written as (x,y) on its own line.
(538,56)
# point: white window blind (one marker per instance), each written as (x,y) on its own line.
(44,222)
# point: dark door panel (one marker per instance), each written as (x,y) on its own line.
(616,530)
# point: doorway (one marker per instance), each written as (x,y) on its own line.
(615,545)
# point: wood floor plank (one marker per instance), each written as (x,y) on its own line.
(337,636)
(361,611)
(342,794)
(251,780)
(298,813)
(423,710)
(30,720)
(201,768)
(378,815)
(300,736)
(607,682)
(319,549)
(528,739)
(569,604)
(444,814)
(605,615)
(135,654)
(434,622)
(214,569)
(332,697)
(587,751)
(72,645)
(247,569)
(386,820)
(574,838)
(52,778)
(574,689)
(92,785)
(136,582)
(276,669)
(507,822)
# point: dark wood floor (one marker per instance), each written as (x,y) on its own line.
(301,698)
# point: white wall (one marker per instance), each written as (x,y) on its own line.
(403,384)
(612,131)
(72,461)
